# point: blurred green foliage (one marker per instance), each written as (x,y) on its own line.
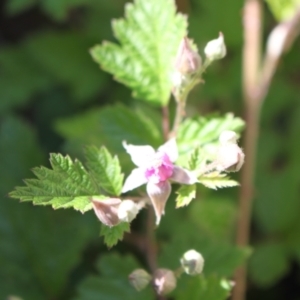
(51,98)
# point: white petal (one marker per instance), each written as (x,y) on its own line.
(159,194)
(140,155)
(170,148)
(135,179)
(183,176)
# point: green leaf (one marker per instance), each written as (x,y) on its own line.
(34,265)
(268,264)
(216,216)
(20,77)
(278,190)
(200,287)
(197,159)
(105,169)
(67,184)
(186,194)
(113,234)
(203,133)
(70,51)
(283,10)
(149,37)
(113,282)
(109,127)
(215,181)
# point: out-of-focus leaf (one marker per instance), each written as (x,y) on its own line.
(186,194)
(110,126)
(34,264)
(277,205)
(268,263)
(149,37)
(20,78)
(199,287)
(65,57)
(59,9)
(114,234)
(207,19)
(113,282)
(283,9)
(215,216)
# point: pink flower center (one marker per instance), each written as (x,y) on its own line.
(160,168)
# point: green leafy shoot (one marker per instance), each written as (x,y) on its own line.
(114,234)
(149,37)
(186,194)
(215,180)
(70,184)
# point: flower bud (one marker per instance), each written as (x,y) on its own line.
(164,281)
(228,136)
(159,194)
(192,262)
(139,279)
(107,210)
(127,211)
(215,49)
(230,157)
(187,60)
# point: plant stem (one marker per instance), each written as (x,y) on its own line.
(256,85)
(251,65)
(165,122)
(180,112)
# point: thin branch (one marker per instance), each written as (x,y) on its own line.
(256,85)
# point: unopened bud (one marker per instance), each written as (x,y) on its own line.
(107,210)
(139,279)
(192,262)
(127,211)
(228,136)
(187,60)
(215,49)
(159,194)
(230,156)
(164,281)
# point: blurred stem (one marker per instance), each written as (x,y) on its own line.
(251,63)
(180,112)
(256,84)
(165,122)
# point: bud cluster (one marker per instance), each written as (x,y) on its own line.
(164,281)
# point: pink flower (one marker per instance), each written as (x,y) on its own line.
(156,169)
